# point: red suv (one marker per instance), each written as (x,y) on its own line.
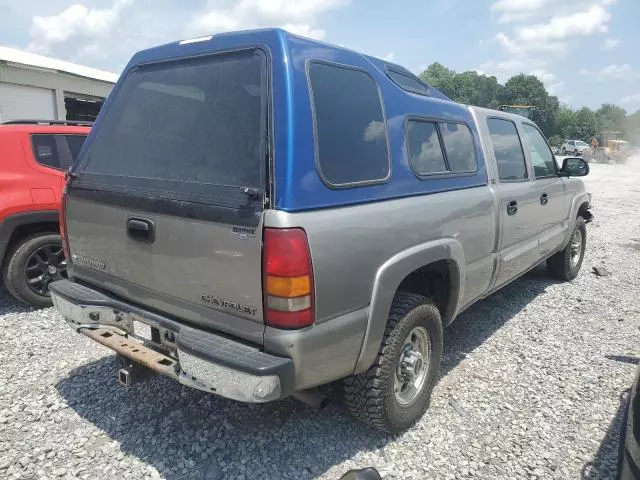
(34,156)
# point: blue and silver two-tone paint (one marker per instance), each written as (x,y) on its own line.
(276,208)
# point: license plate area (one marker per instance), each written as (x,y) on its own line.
(143,331)
(152,334)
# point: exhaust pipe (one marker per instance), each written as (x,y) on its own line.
(312,397)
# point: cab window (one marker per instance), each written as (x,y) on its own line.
(508,150)
(543,161)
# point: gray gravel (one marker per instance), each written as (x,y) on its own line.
(531,389)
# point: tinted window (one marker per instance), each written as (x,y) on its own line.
(350,127)
(458,144)
(75,143)
(507,149)
(543,161)
(185,126)
(45,150)
(425,152)
(408,82)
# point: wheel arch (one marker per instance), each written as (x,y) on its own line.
(21,225)
(436,264)
(579,208)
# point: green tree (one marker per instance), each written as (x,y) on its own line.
(524,90)
(584,125)
(611,118)
(632,127)
(555,121)
(440,77)
(529,90)
(469,88)
(549,108)
(564,122)
(556,140)
(485,90)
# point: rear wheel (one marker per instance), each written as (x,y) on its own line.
(395,392)
(564,151)
(575,152)
(566,264)
(32,264)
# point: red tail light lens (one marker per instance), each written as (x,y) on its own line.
(62,216)
(288,278)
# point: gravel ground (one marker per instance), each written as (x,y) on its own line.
(531,388)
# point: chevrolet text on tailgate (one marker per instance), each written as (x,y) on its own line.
(257,214)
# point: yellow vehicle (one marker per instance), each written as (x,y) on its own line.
(617,150)
(610,148)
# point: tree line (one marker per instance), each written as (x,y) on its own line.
(557,121)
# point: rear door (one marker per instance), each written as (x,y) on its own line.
(167,204)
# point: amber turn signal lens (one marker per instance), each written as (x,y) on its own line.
(288,287)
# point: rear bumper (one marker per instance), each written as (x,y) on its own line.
(193,357)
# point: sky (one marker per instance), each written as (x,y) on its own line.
(583,50)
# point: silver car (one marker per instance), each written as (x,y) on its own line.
(573,147)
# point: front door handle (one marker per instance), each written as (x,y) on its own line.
(512,207)
(140,229)
(544,199)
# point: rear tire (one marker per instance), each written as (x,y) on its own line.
(378,397)
(575,152)
(566,264)
(14,271)
(564,151)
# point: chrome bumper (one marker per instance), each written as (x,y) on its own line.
(195,358)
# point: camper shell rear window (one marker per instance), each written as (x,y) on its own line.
(192,129)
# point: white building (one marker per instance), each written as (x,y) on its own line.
(42,88)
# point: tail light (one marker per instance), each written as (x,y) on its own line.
(288,278)
(63,225)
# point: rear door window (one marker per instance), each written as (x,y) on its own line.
(350,128)
(46,151)
(508,150)
(192,129)
(56,150)
(440,148)
(426,156)
(458,143)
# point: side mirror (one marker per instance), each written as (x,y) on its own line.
(574,167)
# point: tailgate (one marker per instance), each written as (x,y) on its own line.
(165,208)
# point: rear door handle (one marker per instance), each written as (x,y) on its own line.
(140,229)
(544,199)
(512,207)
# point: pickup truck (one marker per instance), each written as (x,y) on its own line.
(258,215)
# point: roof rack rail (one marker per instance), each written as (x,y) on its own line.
(47,122)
